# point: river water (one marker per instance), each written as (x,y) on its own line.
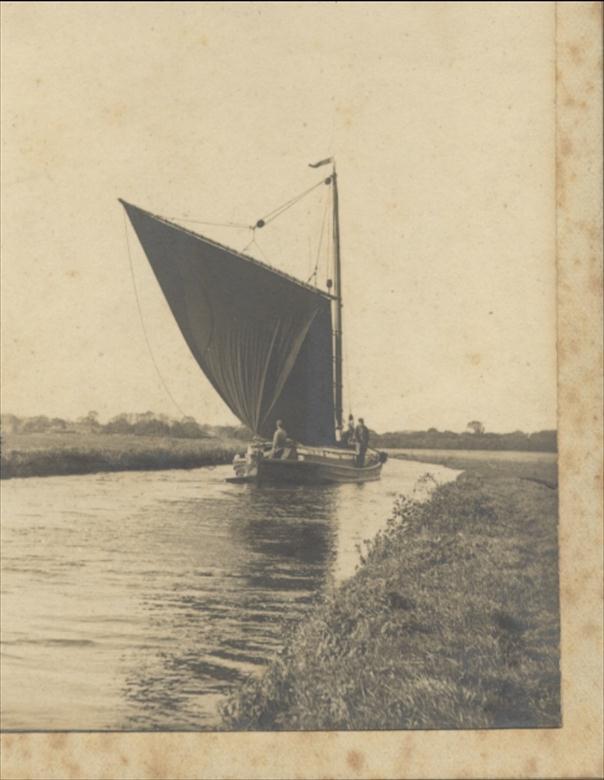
(138,600)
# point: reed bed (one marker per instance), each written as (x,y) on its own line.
(41,455)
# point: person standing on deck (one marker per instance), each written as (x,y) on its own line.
(361,435)
(279,440)
(348,435)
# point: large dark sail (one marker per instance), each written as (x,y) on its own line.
(263,339)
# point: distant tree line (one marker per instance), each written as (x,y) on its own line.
(145,424)
(151,424)
(432,439)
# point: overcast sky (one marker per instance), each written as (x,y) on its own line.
(441,118)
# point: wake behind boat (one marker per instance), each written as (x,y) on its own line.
(270,344)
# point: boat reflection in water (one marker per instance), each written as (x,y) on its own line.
(271,556)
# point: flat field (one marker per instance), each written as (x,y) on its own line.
(535,466)
(51,454)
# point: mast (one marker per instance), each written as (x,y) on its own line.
(337,310)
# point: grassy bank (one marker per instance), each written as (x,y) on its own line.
(450,622)
(541,467)
(53,454)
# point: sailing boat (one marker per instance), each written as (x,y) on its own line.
(270,344)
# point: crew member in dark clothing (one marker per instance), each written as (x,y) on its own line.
(279,440)
(361,435)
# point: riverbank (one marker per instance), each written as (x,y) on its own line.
(57,454)
(451,621)
(540,467)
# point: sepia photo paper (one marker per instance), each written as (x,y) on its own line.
(301,428)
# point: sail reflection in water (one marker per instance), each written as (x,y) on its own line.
(138,600)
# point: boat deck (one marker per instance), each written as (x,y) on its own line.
(320,465)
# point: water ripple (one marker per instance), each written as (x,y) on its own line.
(139,600)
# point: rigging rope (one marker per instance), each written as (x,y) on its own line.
(249,244)
(262,252)
(140,314)
(329,243)
(269,217)
(309,258)
(236,225)
(320,244)
(287,205)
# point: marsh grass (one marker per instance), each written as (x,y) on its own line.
(450,622)
(51,454)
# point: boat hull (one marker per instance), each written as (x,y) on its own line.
(304,465)
(314,473)
(319,465)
